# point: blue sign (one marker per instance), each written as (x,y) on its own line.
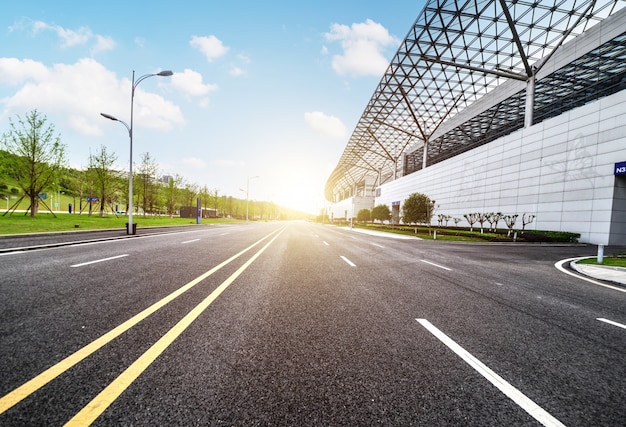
(620,168)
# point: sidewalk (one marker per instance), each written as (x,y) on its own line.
(380,233)
(611,274)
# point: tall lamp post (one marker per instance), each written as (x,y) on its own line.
(166,73)
(247,190)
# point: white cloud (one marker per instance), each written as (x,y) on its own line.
(328,125)
(236,71)
(190,83)
(69,38)
(77,93)
(210,46)
(103,44)
(363,45)
(15,71)
(243,58)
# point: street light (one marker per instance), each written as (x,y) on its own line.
(247,190)
(166,73)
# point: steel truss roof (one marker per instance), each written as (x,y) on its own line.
(456,53)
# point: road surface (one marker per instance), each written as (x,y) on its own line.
(305,324)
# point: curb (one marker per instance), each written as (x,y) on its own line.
(601,272)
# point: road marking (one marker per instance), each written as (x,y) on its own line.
(436,265)
(106,397)
(14,397)
(326,243)
(610,322)
(12,253)
(189,241)
(350,263)
(559,266)
(511,392)
(376,244)
(99,260)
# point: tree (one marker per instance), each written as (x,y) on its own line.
(418,208)
(526,220)
(510,222)
(363,215)
(471,219)
(482,218)
(381,213)
(172,193)
(189,194)
(102,174)
(39,155)
(147,173)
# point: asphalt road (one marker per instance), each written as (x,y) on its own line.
(305,324)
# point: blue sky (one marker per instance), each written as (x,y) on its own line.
(270,89)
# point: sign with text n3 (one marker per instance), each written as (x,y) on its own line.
(620,168)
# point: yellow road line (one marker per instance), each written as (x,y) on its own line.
(14,397)
(107,396)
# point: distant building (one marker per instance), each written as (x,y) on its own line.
(192,212)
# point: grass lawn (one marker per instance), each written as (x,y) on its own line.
(608,261)
(19,223)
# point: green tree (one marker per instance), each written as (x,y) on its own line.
(39,155)
(148,174)
(381,213)
(172,193)
(364,215)
(103,175)
(417,208)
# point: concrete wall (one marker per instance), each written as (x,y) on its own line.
(560,170)
(349,207)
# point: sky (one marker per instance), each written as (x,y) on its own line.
(264,95)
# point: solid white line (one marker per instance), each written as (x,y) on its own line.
(12,253)
(98,260)
(559,266)
(511,392)
(610,322)
(436,265)
(189,241)
(380,246)
(350,263)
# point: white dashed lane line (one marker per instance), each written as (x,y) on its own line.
(436,265)
(98,260)
(511,392)
(189,241)
(350,263)
(610,322)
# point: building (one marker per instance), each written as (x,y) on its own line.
(518,109)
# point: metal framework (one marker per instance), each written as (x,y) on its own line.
(454,55)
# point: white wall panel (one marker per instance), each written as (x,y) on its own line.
(561,170)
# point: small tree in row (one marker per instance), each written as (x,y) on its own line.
(418,209)
(381,213)
(364,215)
(509,220)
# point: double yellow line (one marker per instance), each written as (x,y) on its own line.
(104,399)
